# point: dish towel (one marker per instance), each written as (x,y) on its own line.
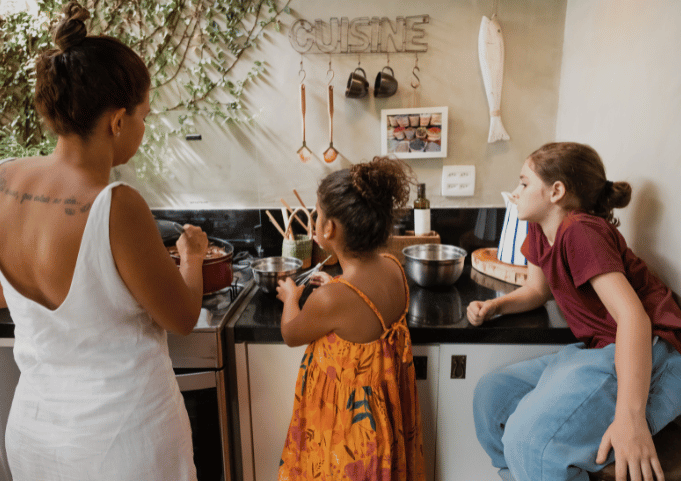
(512,235)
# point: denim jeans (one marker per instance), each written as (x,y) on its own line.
(543,419)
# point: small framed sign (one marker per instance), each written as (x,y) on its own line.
(414,133)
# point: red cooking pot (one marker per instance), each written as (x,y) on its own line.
(217,265)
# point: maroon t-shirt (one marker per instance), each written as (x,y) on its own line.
(585,247)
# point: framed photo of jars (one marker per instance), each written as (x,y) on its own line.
(414,133)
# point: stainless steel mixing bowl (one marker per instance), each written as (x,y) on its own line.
(433,265)
(269,270)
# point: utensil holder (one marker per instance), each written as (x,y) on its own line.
(298,245)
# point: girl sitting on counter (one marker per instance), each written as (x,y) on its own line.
(356,412)
(561,415)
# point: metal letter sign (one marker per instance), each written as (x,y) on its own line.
(360,35)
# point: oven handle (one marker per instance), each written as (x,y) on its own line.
(196,380)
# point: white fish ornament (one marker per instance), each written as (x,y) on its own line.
(491,54)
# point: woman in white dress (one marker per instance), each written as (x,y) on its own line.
(89,284)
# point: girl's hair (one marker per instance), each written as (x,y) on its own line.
(581,170)
(86,76)
(367,199)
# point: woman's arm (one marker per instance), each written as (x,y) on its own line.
(629,434)
(533,294)
(170,295)
(3,302)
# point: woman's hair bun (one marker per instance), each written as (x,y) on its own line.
(71,30)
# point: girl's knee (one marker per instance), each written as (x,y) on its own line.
(524,444)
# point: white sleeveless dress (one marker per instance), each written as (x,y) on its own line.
(97,398)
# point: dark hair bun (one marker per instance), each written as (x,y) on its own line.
(71,31)
(382,182)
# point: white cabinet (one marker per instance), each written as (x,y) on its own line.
(265,404)
(428,399)
(459,456)
(266,378)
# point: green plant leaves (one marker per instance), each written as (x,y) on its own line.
(189,46)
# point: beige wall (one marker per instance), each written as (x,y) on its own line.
(620,92)
(254,166)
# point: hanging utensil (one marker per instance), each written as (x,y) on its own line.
(330,154)
(303,152)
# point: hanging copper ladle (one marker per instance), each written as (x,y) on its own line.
(330,154)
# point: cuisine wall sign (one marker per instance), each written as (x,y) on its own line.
(360,35)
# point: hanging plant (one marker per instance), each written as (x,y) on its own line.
(191,48)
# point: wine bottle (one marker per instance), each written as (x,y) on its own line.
(421,211)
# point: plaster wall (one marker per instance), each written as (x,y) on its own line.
(620,92)
(255,165)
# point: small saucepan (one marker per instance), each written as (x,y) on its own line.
(268,271)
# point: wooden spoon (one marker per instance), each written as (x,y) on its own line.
(330,154)
(303,152)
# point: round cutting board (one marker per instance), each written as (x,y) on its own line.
(485,260)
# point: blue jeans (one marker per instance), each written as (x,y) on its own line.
(543,419)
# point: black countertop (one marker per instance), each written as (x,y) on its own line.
(435,316)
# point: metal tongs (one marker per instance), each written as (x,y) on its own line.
(305,277)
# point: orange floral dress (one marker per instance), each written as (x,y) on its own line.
(356,413)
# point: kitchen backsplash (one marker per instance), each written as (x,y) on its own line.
(469,228)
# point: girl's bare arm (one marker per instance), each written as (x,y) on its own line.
(629,434)
(533,294)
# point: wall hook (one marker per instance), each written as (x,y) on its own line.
(414,70)
(418,80)
(330,71)
(302,70)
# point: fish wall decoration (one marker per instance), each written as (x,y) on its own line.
(491,55)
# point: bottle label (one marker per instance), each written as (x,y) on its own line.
(421,221)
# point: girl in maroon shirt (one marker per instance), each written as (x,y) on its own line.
(559,416)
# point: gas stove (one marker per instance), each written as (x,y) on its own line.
(204,346)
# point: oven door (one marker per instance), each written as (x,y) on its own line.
(205,399)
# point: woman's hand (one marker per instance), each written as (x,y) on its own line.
(635,452)
(320,278)
(479,311)
(192,244)
(288,291)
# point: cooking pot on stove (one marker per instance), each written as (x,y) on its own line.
(216,269)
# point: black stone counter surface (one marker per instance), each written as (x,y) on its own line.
(434,317)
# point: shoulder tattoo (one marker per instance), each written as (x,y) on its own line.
(71,205)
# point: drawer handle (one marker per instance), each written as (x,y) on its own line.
(458,367)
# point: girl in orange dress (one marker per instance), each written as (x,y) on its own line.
(356,412)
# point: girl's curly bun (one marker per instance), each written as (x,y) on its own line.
(367,199)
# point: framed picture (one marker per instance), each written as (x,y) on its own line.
(414,133)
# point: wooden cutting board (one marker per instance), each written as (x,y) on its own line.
(485,260)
